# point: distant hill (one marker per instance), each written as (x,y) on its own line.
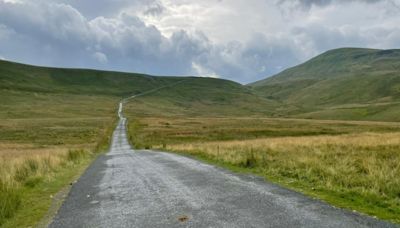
(15,76)
(203,97)
(195,95)
(346,83)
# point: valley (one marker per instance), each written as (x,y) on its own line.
(327,128)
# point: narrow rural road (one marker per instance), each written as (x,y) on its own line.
(131,188)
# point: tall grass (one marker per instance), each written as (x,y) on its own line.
(9,201)
(29,169)
(153,132)
(360,171)
(352,164)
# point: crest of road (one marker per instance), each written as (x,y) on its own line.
(137,188)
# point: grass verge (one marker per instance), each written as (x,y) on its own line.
(358,172)
(33,197)
(46,139)
(30,175)
(349,164)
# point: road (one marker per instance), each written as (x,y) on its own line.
(133,188)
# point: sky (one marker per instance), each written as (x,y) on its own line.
(240,40)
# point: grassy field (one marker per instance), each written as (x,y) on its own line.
(30,181)
(353,165)
(54,121)
(155,131)
(46,139)
(385,111)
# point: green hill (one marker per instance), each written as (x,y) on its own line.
(346,83)
(15,76)
(202,97)
(30,88)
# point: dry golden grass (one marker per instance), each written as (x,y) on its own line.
(364,139)
(13,157)
(344,159)
(362,168)
(44,139)
(352,164)
(35,154)
(153,132)
(26,166)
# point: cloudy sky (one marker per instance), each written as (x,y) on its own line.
(241,40)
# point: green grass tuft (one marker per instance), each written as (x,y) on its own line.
(10,200)
(76,155)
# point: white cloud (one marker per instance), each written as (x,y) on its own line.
(12,1)
(236,39)
(100,57)
(200,70)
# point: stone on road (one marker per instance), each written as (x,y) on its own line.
(127,188)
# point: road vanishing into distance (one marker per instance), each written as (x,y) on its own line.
(134,188)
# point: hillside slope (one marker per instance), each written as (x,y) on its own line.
(58,119)
(23,85)
(15,76)
(346,83)
(202,97)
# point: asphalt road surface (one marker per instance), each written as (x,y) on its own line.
(130,188)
